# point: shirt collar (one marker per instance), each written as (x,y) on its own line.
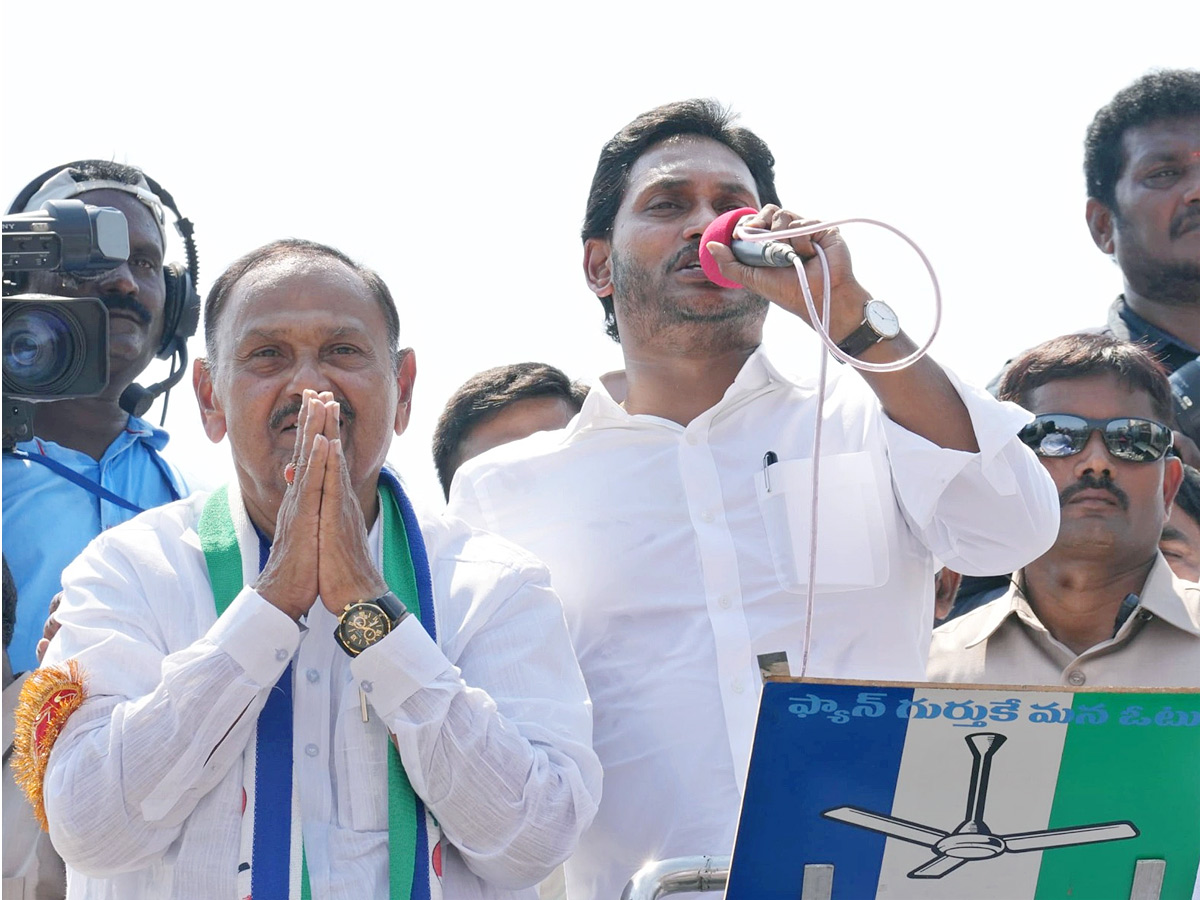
(1170,599)
(143,431)
(1175,602)
(135,430)
(1124,323)
(601,407)
(994,614)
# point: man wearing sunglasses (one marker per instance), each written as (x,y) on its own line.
(1101,607)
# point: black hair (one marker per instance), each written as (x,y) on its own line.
(1156,96)
(701,117)
(294,248)
(484,395)
(1080,355)
(105,170)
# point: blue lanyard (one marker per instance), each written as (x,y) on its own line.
(86,483)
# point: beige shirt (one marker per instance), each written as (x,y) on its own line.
(1003,642)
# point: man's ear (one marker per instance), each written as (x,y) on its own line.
(211,413)
(1172,479)
(597,266)
(406,375)
(1100,222)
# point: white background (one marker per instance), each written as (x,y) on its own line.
(451,146)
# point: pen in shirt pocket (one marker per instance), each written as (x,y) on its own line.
(769,459)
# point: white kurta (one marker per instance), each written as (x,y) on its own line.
(493,724)
(678,567)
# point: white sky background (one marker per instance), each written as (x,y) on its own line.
(450,146)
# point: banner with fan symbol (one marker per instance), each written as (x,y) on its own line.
(920,792)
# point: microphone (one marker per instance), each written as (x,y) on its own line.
(137,400)
(723,229)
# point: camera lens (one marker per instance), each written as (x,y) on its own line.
(44,348)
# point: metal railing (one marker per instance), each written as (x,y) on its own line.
(711,873)
(672,876)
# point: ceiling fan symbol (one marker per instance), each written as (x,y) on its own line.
(972,840)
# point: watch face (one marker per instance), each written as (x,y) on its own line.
(882,319)
(362,625)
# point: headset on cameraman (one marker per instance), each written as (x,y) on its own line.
(181,309)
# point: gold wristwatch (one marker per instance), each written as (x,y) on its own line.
(367,622)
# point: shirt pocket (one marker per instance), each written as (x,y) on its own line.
(362,749)
(852,546)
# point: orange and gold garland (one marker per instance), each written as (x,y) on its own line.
(48,698)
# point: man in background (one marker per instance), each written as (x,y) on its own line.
(1102,606)
(1142,165)
(500,405)
(495,407)
(93,461)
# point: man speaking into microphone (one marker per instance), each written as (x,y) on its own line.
(674,514)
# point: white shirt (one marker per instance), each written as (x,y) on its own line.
(144,786)
(677,568)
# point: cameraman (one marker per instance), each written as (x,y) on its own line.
(51,511)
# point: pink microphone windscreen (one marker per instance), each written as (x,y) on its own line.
(720,230)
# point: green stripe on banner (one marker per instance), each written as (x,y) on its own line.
(1139,765)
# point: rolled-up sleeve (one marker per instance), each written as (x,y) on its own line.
(983,513)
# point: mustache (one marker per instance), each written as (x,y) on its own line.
(288,410)
(128,303)
(1089,482)
(689,250)
(1189,218)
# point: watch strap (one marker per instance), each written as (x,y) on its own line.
(860,339)
(393,608)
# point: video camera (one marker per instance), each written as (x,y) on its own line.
(1185,388)
(55,348)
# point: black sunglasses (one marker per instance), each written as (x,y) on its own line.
(1130,439)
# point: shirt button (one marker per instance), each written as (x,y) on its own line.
(312,750)
(366,687)
(313,676)
(724,601)
(693,438)
(1077,677)
(737,685)
(707,516)
(281,654)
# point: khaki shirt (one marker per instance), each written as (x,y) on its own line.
(1003,642)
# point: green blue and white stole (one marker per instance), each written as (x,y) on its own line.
(271,864)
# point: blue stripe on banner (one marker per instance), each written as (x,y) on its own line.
(816,747)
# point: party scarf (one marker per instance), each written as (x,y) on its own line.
(271,861)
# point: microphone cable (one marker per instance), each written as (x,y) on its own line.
(820,324)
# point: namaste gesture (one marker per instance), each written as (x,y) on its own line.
(320,546)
